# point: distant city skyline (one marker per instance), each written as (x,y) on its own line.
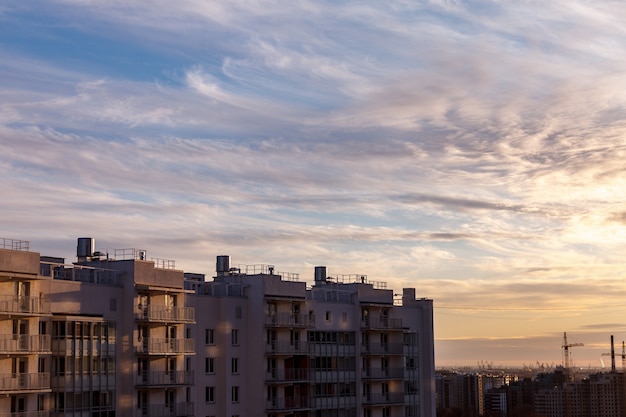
(473,151)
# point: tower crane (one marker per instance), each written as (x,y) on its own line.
(566,358)
(612,355)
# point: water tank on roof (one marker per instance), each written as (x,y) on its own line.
(320,274)
(85,248)
(222,266)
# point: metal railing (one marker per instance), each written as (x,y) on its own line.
(165,313)
(382,349)
(166,410)
(380,398)
(153,346)
(382,373)
(276,375)
(288,403)
(287,348)
(26,414)
(381,323)
(289,320)
(24,382)
(24,343)
(14,244)
(164,378)
(14,304)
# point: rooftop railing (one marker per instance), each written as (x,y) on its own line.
(14,244)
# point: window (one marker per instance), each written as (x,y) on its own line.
(234,365)
(209,365)
(209,337)
(234,392)
(328,316)
(234,337)
(209,394)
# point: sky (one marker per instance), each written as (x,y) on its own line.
(473,150)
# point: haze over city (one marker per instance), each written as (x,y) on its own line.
(472,150)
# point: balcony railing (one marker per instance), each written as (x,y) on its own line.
(24,382)
(381,323)
(166,410)
(382,373)
(280,375)
(23,343)
(163,378)
(14,304)
(379,398)
(288,403)
(26,414)
(288,348)
(162,313)
(152,346)
(382,349)
(289,320)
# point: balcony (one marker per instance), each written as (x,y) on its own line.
(164,379)
(382,323)
(165,314)
(71,382)
(382,349)
(17,383)
(384,399)
(287,348)
(166,410)
(152,346)
(22,305)
(287,375)
(289,320)
(383,373)
(26,414)
(287,403)
(20,344)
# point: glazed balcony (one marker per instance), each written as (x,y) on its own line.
(288,403)
(18,383)
(154,346)
(165,314)
(164,379)
(166,410)
(22,305)
(289,320)
(20,344)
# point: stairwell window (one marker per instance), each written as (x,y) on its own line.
(234,337)
(235,394)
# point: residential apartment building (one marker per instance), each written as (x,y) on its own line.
(118,334)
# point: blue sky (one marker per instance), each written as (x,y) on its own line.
(473,150)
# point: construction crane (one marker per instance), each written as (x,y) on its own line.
(566,358)
(612,355)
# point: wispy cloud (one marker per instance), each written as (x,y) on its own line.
(472,150)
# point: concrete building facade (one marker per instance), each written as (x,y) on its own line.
(118,334)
